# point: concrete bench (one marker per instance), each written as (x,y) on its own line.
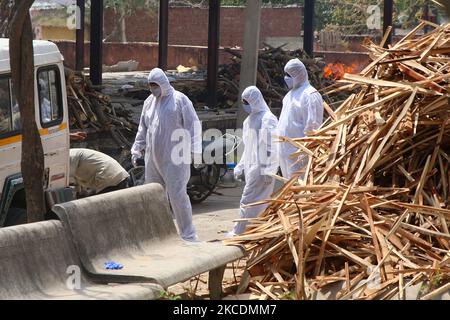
(134,227)
(37,262)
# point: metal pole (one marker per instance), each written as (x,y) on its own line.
(96,49)
(213,51)
(387,19)
(426,16)
(308,27)
(79,51)
(163,33)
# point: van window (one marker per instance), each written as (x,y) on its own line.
(9,109)
(50,101)
(15,112)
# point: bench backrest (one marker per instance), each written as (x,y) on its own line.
(118,221)
(35,258)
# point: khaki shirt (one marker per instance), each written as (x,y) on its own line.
(95,170)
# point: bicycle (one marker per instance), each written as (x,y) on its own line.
(205,177)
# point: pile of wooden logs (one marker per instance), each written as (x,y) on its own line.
(370,212)
(92,111)
(270,80)
(270,76)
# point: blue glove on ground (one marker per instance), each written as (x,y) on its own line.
(111,265)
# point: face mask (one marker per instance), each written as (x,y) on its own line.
(247,108)
(289,82)
(156,91)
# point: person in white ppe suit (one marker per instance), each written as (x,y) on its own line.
(302,112)
(168,116)
(259,160)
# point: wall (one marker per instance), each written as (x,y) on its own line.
(188,26)
(145,53)
(60,33)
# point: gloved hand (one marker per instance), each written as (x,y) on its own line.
(134,160)
(238,175)
(197,161)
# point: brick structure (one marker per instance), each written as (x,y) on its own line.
(188,26)
(145,53)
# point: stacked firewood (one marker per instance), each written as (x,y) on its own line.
(370,212)
(270,80)
(92,111)
(270,76)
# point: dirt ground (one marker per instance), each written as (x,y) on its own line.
(212,219)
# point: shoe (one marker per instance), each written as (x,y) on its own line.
(230,234)
(191,240)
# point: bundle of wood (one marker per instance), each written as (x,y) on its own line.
(370,211)
(270,80)
(270,76)
(93,111)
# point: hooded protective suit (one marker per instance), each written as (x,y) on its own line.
(302,111)
(260,157)
(164,120)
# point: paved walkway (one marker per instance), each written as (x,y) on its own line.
(212,219)
(214,216)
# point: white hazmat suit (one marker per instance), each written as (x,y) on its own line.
(163,118)
(302,112)
(260,157)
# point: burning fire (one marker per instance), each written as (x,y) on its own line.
(336,71)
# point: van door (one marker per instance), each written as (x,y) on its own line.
(10,135)
(52,117)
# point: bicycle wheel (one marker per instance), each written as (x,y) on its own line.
(203,182)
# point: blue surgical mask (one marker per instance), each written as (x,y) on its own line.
(247,108)
(289,82)
(156,91)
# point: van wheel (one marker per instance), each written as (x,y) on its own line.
(16,216)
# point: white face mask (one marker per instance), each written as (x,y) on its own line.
(289,82)
(247,108)
(156,91)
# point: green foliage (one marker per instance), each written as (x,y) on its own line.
(266,2)
(350,16)
(165,295)
(347,16)
(288,296)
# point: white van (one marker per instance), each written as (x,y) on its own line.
(52,121)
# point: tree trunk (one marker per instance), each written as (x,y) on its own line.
(22,69)
(123,25)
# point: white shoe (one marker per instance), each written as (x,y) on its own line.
(195,240)
(230,234)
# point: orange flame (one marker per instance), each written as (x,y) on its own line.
(336,71)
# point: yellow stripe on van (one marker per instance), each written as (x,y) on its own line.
(10,140)
(42,132)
